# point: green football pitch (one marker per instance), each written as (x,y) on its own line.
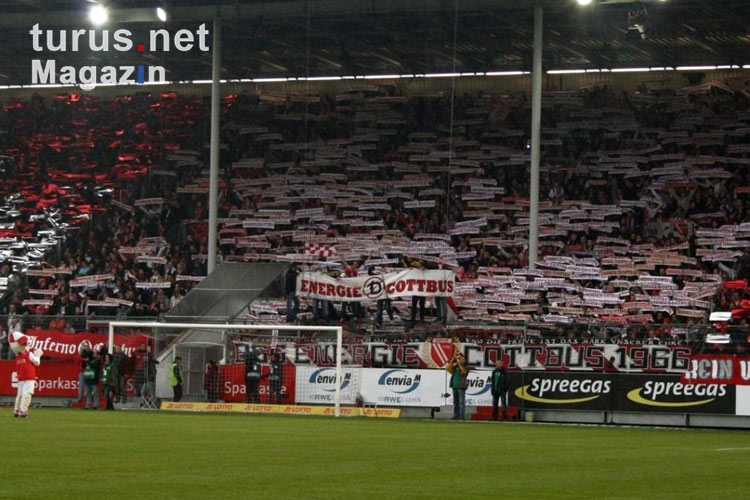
(76,454)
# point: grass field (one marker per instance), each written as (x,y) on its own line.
(75,454)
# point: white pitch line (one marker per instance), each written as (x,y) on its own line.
(732,449)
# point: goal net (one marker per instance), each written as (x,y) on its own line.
(252,364)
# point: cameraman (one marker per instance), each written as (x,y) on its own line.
(458,370)
(252,375)
(91,373)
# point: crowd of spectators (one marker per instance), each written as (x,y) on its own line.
(643,211)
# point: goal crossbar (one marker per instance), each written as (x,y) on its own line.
(221,326)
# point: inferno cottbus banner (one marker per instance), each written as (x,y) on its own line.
(57,374)
(59,345)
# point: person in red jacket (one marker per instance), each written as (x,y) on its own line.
(26,363)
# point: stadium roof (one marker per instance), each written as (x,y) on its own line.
(319,38)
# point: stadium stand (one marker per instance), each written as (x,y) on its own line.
(643,216)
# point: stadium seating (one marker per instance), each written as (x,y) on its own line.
(643,212)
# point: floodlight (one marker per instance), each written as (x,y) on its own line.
(584,2)
(161,14)
(98,14)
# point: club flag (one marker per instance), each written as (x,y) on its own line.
(319,249)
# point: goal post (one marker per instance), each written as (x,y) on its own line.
(263,337)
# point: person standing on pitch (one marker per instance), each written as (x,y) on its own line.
(110,379)
(26,363)
(252,376)
(276,379)
(91,375)
(211,382)
(499,386)
(120,361)
(176,378)
(458,383)
(139,364)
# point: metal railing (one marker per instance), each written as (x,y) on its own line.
(716,336)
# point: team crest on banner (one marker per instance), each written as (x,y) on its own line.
(438,351)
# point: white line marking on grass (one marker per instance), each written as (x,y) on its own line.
(733,449)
